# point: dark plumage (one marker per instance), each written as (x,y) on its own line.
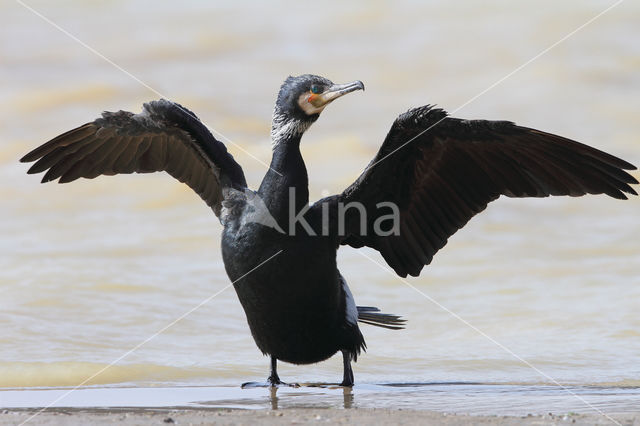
(280,253)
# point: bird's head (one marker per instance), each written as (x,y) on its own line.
(301,100)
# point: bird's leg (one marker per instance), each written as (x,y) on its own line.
(273,379)
(347,378)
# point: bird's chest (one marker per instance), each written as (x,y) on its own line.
(266,263)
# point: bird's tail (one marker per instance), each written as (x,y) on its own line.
(372,316)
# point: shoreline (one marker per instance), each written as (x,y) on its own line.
(222,416)
(473,400)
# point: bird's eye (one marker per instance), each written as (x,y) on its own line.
(316,89)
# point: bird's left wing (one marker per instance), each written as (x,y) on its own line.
(163,137)
(449,171)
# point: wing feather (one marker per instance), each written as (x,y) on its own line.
(163,137)
(450,172)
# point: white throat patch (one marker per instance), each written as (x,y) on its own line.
(283,128)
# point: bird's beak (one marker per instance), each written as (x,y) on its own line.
(334,92)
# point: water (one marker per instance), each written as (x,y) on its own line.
(472,398)
(90,271)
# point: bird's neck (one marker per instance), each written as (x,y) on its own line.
(287,172)
(286,130)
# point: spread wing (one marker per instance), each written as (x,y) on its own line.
(450,172)
(163,137)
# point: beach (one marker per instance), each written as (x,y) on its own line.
(437,403)
(298,417)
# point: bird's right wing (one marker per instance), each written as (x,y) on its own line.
(163,137)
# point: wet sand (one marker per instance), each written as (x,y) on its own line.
(143,416)
(429,403)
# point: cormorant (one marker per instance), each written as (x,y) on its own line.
(432,174)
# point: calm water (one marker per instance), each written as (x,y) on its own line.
(90,270)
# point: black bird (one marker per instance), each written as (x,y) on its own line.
(432,174)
